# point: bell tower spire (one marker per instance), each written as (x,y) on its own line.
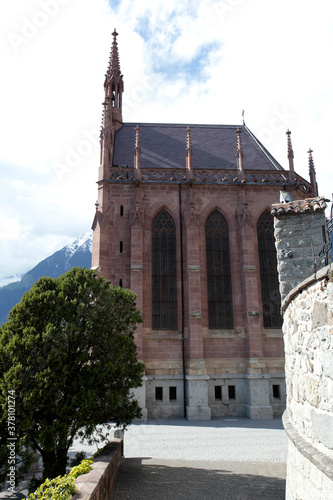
(114,85)
(112,119)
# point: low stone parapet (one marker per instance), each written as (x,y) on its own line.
(98,483)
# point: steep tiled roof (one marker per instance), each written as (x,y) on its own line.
(213,146)
(300,206)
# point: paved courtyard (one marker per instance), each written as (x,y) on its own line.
(227,458)
(234,459)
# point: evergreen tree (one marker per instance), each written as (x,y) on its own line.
(68,355)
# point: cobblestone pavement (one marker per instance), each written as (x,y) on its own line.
(234,459)
(227,458)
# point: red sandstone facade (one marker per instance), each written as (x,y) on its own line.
(196,367)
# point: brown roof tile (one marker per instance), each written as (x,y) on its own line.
(300,206)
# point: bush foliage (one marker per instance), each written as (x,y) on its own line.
(61,487)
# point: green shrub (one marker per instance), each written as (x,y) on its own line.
(79,456)
(83,468)
(61,487)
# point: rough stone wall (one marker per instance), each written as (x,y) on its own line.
(299,240)
(308,338)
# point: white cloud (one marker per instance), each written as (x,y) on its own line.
(269,58)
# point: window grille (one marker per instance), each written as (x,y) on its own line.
(218,272)
(271,300)
(164,272)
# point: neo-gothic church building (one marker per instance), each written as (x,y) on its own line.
(183,219)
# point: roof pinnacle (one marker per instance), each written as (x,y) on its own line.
(114,66)
(290,148)
(312,172)
(239,151)
(137,138)
(188,140)
(239,154)
(137,153)
(189,166)
(290,158)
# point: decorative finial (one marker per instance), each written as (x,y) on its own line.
(312,173)
(96,205)
(243,113)
(137,138)
(239,155)
(189,166)
(311,162)
(290,148)
(239,144)
(188,140)
(137,153)
(290,155)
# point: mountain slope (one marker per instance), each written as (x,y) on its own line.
(77,254)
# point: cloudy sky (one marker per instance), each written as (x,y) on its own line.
(195,61)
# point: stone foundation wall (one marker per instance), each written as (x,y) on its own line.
(226,394)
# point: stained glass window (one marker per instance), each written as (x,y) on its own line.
(218,272)
(271,300)
(164,271)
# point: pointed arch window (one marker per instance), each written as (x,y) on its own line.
(271,300)
(164,271)
(218,272)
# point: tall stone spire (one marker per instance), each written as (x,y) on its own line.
(312,173)
(114,85)
(290,158)
(112,107)
(114,66)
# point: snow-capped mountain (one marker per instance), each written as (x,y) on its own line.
(77,254)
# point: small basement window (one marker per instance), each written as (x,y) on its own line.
(276,392)
(218,392)
(121,283)
(172,393)
(232,391)
(159,393)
